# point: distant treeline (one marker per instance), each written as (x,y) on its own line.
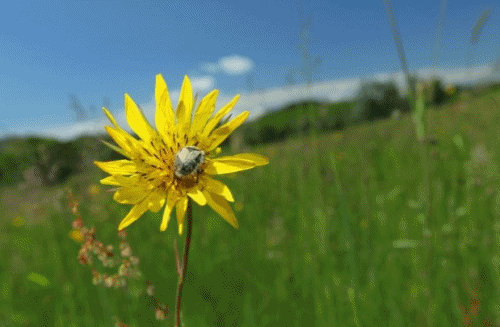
(49,162)
(373,101)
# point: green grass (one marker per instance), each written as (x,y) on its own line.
(333,232)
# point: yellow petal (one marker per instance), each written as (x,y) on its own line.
(205,109)
(120,136)
(212,123)
(137,121)
(116,149)
(110,180)
(160,87)
(172,199)
(185,106)
(129,195)
(164,116)
(123,139)
(135,213)
(117,167)
(111,118)
(217,187)
(156,201)
(220,205)
(121,180)
(180,208)
(198,197)
(220,134)
(258,159)
(232,164)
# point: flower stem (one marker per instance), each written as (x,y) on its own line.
(182,274)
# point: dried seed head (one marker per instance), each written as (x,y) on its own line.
(151,290)
(188,161)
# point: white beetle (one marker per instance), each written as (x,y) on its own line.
(188,161)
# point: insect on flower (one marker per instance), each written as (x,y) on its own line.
(188,161)
(177,160)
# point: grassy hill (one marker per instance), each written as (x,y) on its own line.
(297,119)
(360,227)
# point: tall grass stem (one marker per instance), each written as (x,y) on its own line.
(399,46)
(347,224)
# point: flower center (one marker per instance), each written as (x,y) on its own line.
(188,161)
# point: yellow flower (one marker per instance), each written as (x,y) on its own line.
(450,89)
(75,235)
(94,189)
(177,160)
(18,221)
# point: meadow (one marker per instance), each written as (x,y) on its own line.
(361,227)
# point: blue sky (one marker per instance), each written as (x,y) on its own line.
(95,49)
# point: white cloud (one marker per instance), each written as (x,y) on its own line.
(210,67)
(235,64)
(231,65)
(331,91)
(448,76)
(256,102)
(201,84)
(68,132)
(382,76)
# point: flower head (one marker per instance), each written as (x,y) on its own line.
(178,159)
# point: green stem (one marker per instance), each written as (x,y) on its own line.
(183,269)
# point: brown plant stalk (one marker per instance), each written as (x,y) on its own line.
(92,248)
(181,269)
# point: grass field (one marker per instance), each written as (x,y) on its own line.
(364,227)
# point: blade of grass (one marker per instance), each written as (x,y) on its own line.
(399,47)
(346,222)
